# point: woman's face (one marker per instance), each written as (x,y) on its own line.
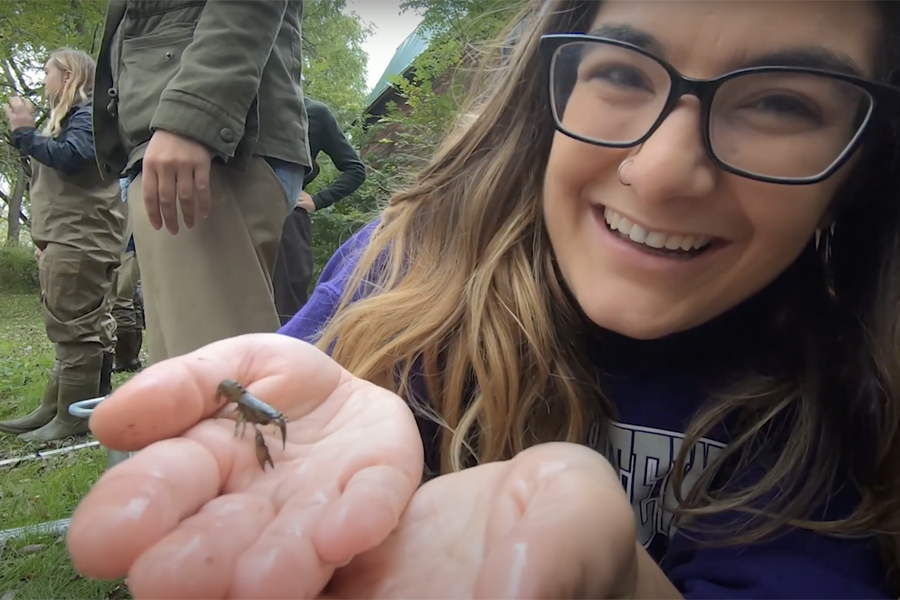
(55,80)
(747,232)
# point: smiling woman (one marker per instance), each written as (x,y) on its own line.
(672,240)
(698,152)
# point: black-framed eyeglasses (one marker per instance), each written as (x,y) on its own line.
(787,125)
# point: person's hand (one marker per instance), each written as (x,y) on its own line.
(553,522)
(175,171)
(37,254)
(19,113)
(192,514)
(305,201)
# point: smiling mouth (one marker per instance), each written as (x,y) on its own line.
(670,245)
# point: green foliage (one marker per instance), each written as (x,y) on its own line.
(426,106)
(18,270)
(429,101)
(37,565)
(334,62)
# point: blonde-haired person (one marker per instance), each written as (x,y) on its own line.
(671,242)
(77,224)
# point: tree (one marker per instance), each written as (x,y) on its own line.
(406,136)
(334,72)
(334,62)
(460,32)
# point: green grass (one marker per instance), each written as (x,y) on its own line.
(33,492)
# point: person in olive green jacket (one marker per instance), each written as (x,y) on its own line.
(78,228)
(200,105)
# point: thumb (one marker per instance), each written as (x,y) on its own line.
(561,527)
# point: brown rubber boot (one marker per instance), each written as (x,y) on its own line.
(43,414)
(128,350)
(63,424)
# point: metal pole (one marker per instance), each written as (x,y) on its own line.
(82,409)
(50,528)
(85,409)
(41,455)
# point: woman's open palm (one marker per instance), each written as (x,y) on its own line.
(193,515)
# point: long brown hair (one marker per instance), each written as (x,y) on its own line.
(461,290)
(78,89)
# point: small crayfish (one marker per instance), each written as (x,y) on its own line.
(251,409)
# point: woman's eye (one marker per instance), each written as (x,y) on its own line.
(621,76)
(786,106)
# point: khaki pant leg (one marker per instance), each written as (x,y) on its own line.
(75,296)
(126,279)
(124,310)
(109,326)
(214,281)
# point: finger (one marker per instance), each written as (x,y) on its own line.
(202,189)
(282,562)
(185,190)
(137,503)
(197,560)
(365,514)
(170,397)
(168,197)
(563,528)
(150,192)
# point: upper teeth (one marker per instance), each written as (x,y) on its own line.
(654,239)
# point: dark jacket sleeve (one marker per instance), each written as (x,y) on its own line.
(220,72)
(69,152)
(345,158)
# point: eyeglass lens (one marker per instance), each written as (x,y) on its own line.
(789,125)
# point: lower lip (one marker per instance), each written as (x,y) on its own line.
(635,256)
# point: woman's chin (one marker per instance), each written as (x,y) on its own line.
(651,323)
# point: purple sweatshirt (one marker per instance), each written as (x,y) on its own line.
(653,412)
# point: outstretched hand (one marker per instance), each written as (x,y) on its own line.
(550,523)
(192,515)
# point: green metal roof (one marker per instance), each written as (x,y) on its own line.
(406,53)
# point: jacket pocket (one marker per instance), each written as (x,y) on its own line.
(148,64)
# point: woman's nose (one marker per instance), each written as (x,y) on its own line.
(673,163)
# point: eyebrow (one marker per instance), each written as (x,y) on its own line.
(810,58)
(630,35)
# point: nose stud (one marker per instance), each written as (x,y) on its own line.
(619,172)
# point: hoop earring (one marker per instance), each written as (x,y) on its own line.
(619,172)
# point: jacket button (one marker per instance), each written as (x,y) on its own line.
(227,135)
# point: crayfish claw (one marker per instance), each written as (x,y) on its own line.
(282,424)
(262,451)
